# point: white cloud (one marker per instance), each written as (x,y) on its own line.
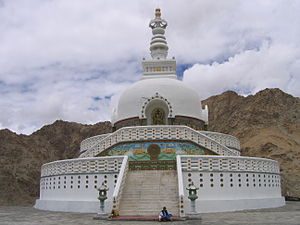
(247,72)
(260,49)
(71,59)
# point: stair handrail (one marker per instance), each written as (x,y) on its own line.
(227,136)
(89,142)
(120,184)
(180,187)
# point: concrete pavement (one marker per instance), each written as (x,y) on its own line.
(287,215)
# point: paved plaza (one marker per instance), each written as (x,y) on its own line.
(287,215)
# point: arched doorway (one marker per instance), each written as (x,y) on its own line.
(153,150)
(157,112)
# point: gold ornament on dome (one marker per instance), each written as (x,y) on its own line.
(157,13)
(158,117)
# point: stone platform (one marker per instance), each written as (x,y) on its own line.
(287,215)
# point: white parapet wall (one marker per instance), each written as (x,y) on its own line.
(231,183)
(159,132)
(224,139)
(89,142)
(71,185)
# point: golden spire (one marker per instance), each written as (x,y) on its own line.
(157,13)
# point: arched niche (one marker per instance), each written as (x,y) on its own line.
(157,112)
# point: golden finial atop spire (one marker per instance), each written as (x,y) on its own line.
(157,13)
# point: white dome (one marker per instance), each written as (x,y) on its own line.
(180,99)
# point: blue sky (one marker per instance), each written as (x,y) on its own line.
(71,59)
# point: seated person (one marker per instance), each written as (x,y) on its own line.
(114,213)
(164,215)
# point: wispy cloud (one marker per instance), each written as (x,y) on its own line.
(71,59)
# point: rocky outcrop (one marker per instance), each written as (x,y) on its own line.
(21,156)
(267,124)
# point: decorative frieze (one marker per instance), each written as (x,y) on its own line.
(166,150)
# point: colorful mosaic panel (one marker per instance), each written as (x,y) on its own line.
(168,150)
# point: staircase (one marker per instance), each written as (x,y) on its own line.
(147,191)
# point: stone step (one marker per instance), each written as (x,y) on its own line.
(142,218)
(150,197)
(145,203)
(151,182)
(163,180)
(145,189)
(163,190)
(150,207)
(153,171)
(151,185)
(153,198)
(156,208)
(157,185)
(156,191)
(157,188)
(141,189)
(143,212)
(146,192)
(141,201)
(153,177)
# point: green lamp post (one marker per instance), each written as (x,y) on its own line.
(102,197)
(193,196)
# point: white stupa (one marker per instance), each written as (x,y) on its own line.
(158,149)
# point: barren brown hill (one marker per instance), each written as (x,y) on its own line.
(267,124)
(21,156)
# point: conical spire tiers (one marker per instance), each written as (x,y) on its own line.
(159,66)
(158,45)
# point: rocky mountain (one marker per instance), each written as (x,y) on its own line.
(21,156)
(267,123)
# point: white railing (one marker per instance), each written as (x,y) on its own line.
(228,163)
(89,142)
(180,187)
(120,184)
(174,132)
(224,139)
(82,165)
